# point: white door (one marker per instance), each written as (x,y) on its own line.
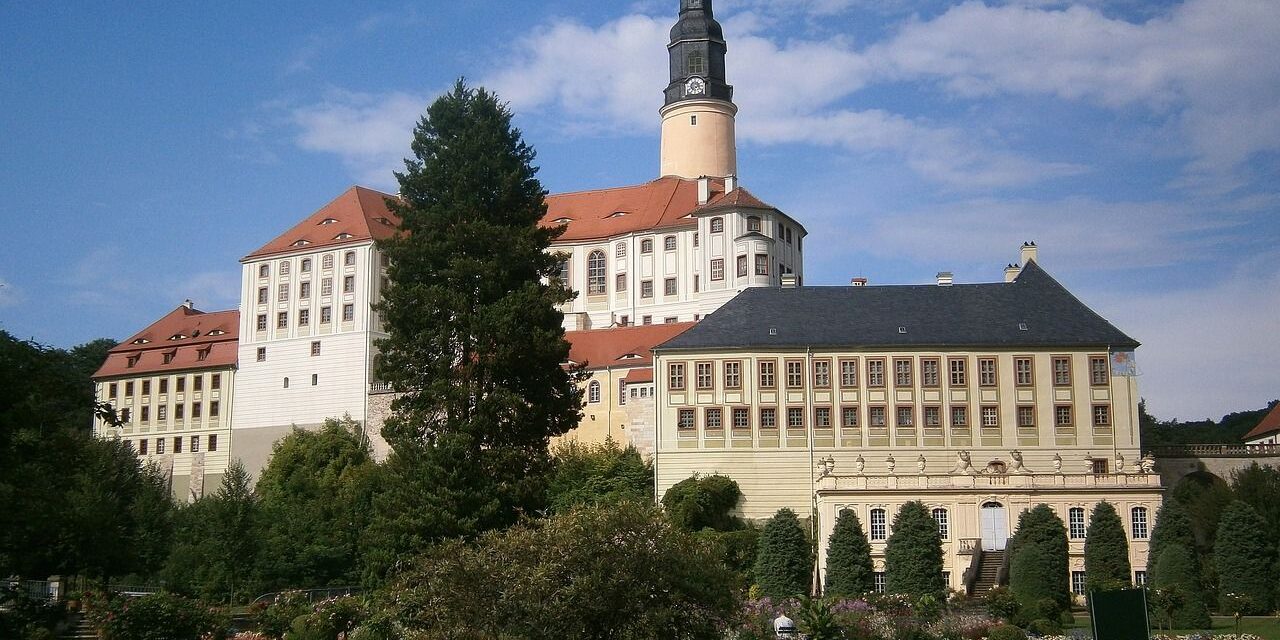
(995,527)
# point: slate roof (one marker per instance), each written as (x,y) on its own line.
(962,315)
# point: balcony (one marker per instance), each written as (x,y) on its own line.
(1002,481)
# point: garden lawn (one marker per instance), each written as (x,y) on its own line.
(1268,627)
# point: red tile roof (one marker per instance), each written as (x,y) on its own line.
(739,198)
(661,204)
(621,346)
(214,334)
(636,376)
(359,212)
(1269,423)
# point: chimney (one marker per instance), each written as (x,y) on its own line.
(1011,272)
(788,281)
(1028,252)
(730,183)
(188,303)
(944,278)
(704,190)
(858,282)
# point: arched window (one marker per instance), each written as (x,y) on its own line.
(717,225)
(879,525)
(621,250)
(697,66)
(753,223)
(593,392)
(1138,518)
(646,245)
(944,528)
(595,273)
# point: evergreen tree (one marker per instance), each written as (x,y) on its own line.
(1044,571)
(1259,486)
(1245,562)
(913,554)
(849,568)
(475,342)
(1106,550)
(783,563)
(1173,527)
(1177,573)
(604,473)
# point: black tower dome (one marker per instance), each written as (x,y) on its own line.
(697,51)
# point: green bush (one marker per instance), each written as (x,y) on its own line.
(601,473)
(276,619)
(1106,551)
(1006,632)
(1177,581)
(1001,604)
(1044,627)
(1245,563)
(783,566)
(1046,575)
(158,616)
(737,549)
(703,502)
(849,568)
(329,620)
(913,555)
(1035,582)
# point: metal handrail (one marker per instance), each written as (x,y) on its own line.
(318,593)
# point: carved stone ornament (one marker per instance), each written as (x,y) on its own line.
(1057,463)
(860,464)
(1017,468)
(964,466)
(1147,464)
(920,463)
(891,462)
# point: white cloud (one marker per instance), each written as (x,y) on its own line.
(369,132)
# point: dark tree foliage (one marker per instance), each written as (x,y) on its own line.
(1106,550)
(1176,573)
(849,568)
(913,554)
(783,558)
(603,473)
(1172,527)
(315,498)
(703,502)
(475,342)
(1259,486)
(1032,580)
(1245,561)
(216,541)
(1230,428)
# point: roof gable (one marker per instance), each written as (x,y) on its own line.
(1270,423)
(358,215)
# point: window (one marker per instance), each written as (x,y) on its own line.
(282,293)
(304,317)
(768,418)
(717,269)
(753,223)
(128,389)
(849,417)
(695,238)
(795,418)
(959,417)
(595,273)
(762,264)
(197,383)
(195,444)
(1098,374)
(788,232)
(326,287)
(669,243)
(879,582)
(213,442)
(304,290)
(284,268)
(1062,415)
(875,373)
(348,312)
(879,526)
(990,418)
(306,265)
(282,320)
(624,321)
(593,392)
(315,347)
(146,413)
(262,354)
(1101,415)
(196,409)
(933,416)
(620,250)
(213,408)
(704,375)
(179,411)
(142,447)
(986,372)
(1077,582)
(648,320)
(675,376)
(741,419)
(262,295)
(262,322)
(717,225)
(877,415)
(326,315)
(693,120)
(742,266)
(1026,417)
(646,288)
(348,284)
(822,417)
(1022,372)
(215,381)
(669,287)
(159,446)
(696,65)
(940,516)
(848,373)
(1075,523)
(112,390)
(767,373)
(203,354)
(714,419)
(902,372)
(1138,518)
(1100,466)
(146,387)
(685,421)
(285,384)
(315,379)
(264,270)
(620,282)
(622,392)
(732,374)
(181,384)
(1061,371)
(906,417)
(646,245)
(1140,578)
(349,259)
(795,374)
(822,373)
(326,262)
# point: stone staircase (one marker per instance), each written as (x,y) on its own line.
(988,572)
(81,629)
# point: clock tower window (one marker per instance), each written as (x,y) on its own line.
(697,65)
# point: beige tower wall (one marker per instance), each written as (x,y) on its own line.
(698,139)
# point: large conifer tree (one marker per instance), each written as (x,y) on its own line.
(475,342)
(1106,550)
(1042,573)
(913,554)
(783,565)
(1173,527)
(849,567)
(1245,561)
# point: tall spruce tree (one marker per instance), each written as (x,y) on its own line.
(475,343)
(783,566)
(913,555)
(1176,572)
(1042,573)
(1173,527)
(1106,550)
(1245,562)
(849,568)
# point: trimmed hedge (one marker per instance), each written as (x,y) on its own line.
(913,555)
(1106,550)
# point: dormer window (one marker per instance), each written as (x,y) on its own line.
(141,341)
(202,354)
(385,221)
(216,332)
(630,356)
(177,336)
(343,236)
(562,220)
(616,214)
(168,356)
(717,225)
(327,221)
(132,362)
(300,243)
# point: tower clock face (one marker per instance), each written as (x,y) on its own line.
(695,86)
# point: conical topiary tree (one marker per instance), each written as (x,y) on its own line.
(1245,562)
(1173,527)
(1176,573)
(1038,563)
(913,555)
(1106,550)
(849,568)
(783,566)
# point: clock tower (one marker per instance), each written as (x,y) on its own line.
(697,114)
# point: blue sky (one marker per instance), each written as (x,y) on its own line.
(147,146)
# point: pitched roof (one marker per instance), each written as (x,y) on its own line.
(739,198)
(359,214)
(184,333)
(620,346)
(1270,423)
(965,315)
(661,204)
